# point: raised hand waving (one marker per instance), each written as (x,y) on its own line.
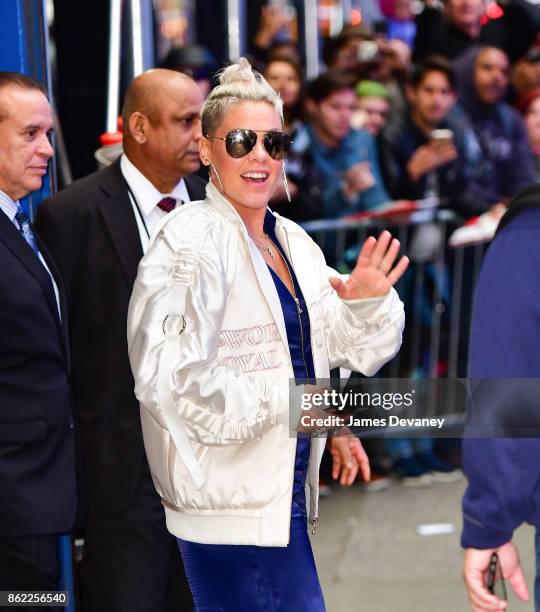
(374,273)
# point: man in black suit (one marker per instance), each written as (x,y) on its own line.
(97,230)
(37,428)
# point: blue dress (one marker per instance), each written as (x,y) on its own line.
(229,578)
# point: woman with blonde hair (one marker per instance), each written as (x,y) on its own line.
(231,302)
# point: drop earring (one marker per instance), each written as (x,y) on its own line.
(286,184)
(217,175)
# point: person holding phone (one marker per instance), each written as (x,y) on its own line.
(427,152)
(438,151)
(503,473)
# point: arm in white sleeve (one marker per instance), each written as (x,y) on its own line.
(364,334)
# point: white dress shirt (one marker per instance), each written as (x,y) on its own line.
(145,199)
(9,207)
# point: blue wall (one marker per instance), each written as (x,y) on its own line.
(23,48)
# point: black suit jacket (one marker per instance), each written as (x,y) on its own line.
(37,429)
(91,232)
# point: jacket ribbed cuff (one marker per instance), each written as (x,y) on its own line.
(475,535)
(367,307)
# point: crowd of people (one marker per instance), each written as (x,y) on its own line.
(367,130)
(435,105)
(443,105)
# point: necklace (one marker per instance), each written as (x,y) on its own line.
(264,249)
(269,250)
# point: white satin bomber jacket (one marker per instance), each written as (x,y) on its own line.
(209,353)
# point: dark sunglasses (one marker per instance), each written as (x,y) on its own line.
(239,143)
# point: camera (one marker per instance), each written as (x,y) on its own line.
(368,51)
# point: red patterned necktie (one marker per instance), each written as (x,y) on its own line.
(167,204)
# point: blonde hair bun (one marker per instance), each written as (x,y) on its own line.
(239,73)
(237,83)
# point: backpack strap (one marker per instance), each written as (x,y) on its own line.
(174,327)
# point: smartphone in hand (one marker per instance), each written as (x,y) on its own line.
(495,581)
(442,136)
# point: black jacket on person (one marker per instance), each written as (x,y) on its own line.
(399,141)
(91,231)
(37,427)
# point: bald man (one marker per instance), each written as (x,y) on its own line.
(97,231)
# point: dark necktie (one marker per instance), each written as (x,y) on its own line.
(26,229)
(167,204)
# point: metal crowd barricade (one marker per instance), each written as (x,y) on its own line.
(437,289)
